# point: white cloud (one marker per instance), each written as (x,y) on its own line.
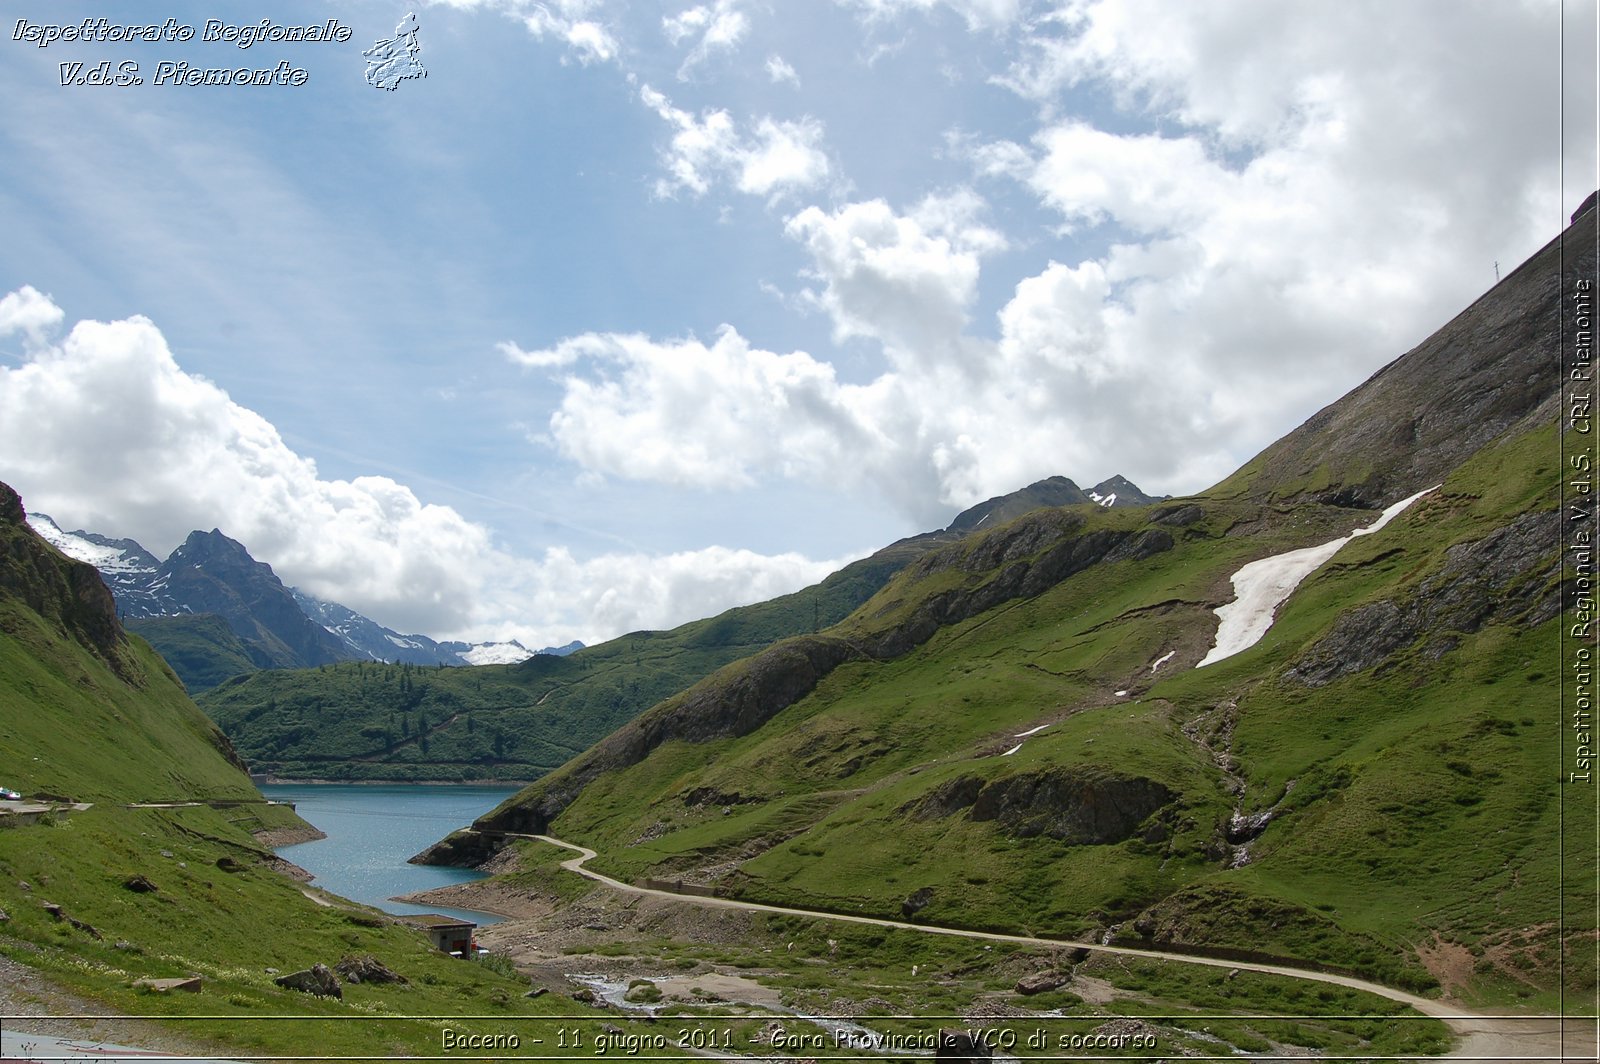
(625,593)
(586,38)
(105,431)
(978,14)
(702,416)
(718,27)
(953,419)
(576,23)
(28,311)
(776,157)
(1279,210)
(1327,197)
(904,280)
(779,70)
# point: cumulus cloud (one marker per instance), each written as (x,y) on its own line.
(702,415)
(625,593)
(904,280)
(575,23)
(106,431)
(1286,202)
(569,21)
(978,14)
(30,312)
(776,156)
(953,419)
(1324,200)
(717,27)
(779,70)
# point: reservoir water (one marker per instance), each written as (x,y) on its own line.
(372,829)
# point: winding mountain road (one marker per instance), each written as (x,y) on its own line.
(1484,1038)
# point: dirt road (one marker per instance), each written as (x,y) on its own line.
(1483,1038)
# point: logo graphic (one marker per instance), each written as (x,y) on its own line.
(392,61)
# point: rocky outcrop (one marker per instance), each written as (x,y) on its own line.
(1180,516)
(711,796)
(916,901)
(464,848)
(1485,372)
(1042,983)
(63,591)
(1509,575)
(1027,559)
(1080,806)
(367,969)
(317,980)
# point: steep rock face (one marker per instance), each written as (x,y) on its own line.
(214,574)
(1510,574)
(1076,806)
(1417,418)
(130,571)
(58,588)
(1031,556)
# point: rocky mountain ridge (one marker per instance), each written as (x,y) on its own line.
(269,625)
(1052,491)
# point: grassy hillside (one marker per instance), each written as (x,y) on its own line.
(149,741)
(364,721)
(201,648)
(93,716)
(1013,733)
(1408,801)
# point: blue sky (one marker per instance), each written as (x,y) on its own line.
(627,313)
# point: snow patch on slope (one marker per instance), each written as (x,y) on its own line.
(106,559)
(1261,586)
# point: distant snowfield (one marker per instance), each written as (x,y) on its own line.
(106,559)
(497,654)
(1261,586)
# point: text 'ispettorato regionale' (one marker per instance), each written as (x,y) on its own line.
(174,71)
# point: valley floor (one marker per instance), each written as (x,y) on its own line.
(705,951)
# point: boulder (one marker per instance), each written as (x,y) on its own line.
(916,901)
(367,969)
(958,1047)
(317,979)
(139,884)
(1042,982)
(190,985)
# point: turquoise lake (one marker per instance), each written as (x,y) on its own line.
(372,829)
